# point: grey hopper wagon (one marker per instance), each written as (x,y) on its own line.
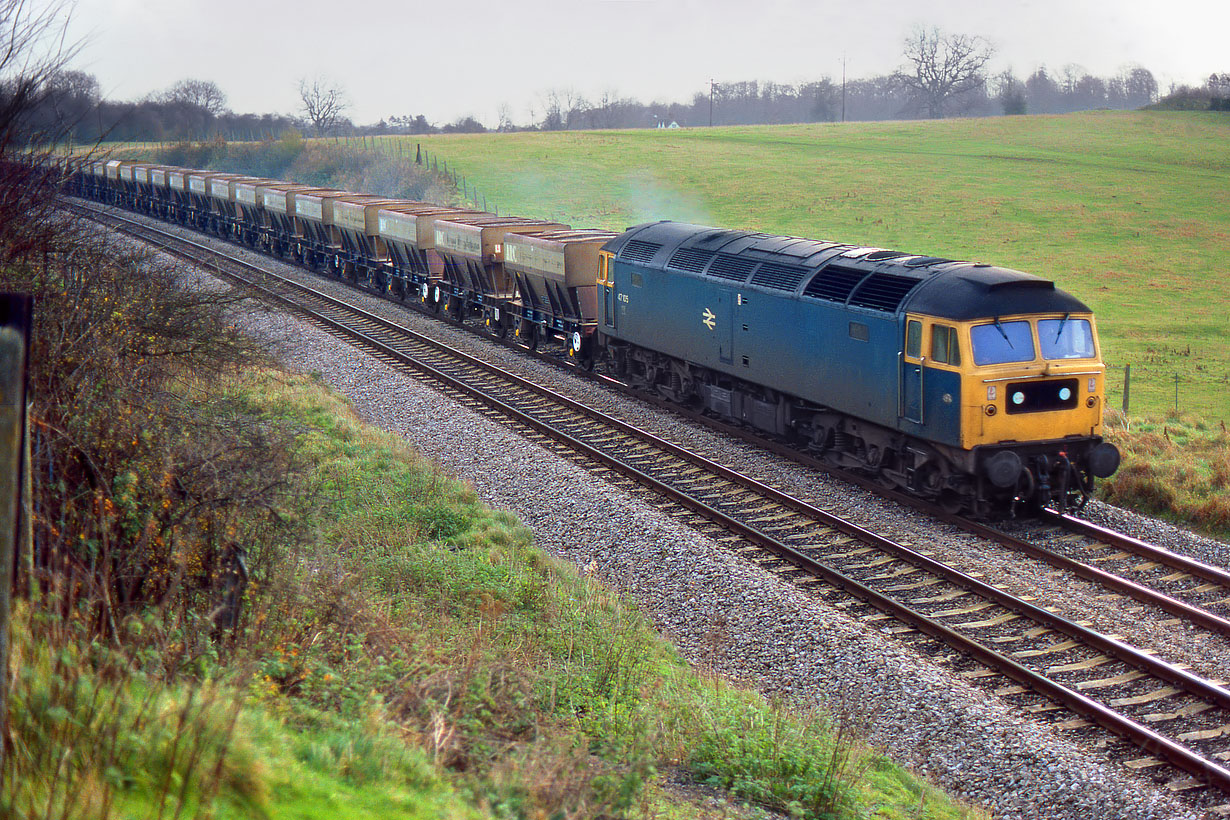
(473,251)
(356,221)
(126,175)
(313,212)
(222,194)
(244,193)
(200,201)
(180,195)
(161,197)
(278,210)
(557,276)
(408,232)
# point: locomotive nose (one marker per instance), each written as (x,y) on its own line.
(1003,468)
(1104,460)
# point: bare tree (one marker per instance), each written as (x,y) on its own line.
(504,113)
(32,51)
(946,67)
(202,94)
(324,101)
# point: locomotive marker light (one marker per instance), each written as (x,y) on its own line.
(708,320)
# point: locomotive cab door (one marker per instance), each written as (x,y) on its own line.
(910,389)
(606,283)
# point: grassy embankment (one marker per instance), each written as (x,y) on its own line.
(394,649)
(427,661)
(1130,211)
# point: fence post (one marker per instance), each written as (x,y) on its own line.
(15,322)
(1176,392)
(1127,386)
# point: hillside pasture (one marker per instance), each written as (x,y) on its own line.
(1128,210)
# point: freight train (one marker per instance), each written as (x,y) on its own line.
(974,386)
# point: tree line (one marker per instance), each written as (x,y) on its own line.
(942,75)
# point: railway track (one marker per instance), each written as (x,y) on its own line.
(1008,643)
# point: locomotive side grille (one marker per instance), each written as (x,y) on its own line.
(883,291)
(690,260)
(781,277)
(834,283)
(734,268)
(639,251)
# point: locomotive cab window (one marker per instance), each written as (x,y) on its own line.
(913,339)
(944,346)
(1066,338)
(1002,343)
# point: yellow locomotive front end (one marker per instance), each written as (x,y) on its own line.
(1032,378)
(1033,394)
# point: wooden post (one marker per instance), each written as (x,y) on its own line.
(15,321)
(1127,386)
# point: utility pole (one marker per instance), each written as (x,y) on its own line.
(843,87)
(712,85)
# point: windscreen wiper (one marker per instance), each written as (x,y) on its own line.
(1011,346)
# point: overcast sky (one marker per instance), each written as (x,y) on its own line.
(450,58)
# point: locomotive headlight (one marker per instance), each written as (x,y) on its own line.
(1018,397)
(1093,385)
(990,392)
(1065,393)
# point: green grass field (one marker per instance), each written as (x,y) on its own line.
(1130,211)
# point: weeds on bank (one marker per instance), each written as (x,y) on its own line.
(1175,466)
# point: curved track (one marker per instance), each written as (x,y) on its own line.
(1172,715)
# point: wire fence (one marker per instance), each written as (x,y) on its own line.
(1121,381)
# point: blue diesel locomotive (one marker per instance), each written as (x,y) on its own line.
(976,386)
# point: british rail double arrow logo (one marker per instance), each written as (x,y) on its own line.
(708,320)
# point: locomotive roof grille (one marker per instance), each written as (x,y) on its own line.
(690,259)
(834,283)
(733,268)
(639,251)
(883,291)
(923,261)
(880,256)
(781,277)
